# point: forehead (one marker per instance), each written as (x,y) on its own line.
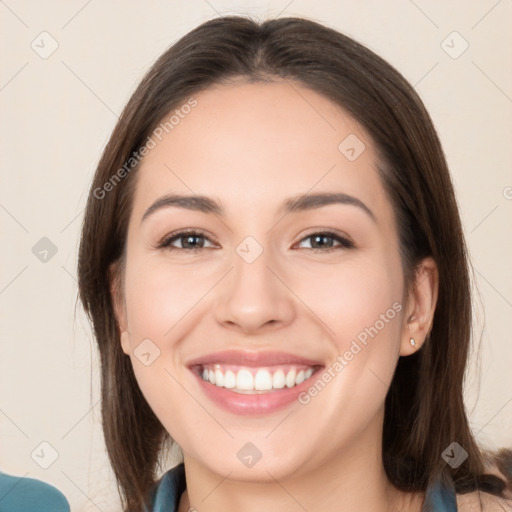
(254,143)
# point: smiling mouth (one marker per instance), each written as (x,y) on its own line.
(253,380)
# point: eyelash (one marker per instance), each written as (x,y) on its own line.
(344,243)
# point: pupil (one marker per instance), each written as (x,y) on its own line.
(321,239)
(190,241)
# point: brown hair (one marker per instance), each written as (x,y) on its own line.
(415,175)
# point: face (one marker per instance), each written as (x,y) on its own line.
(269,313)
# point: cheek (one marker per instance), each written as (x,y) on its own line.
(351,297)
(360,305)
(159,298)
(164,304)
(160,305)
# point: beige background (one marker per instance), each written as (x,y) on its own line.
(57,114)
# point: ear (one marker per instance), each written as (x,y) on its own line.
(421,305)
(119,304)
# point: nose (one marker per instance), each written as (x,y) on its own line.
(253,297)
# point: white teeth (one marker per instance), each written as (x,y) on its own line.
(245,380)
(219,378)
(278,380)
(263,380)
(290,378)
(229,379)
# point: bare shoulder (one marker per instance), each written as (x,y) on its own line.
(482,502)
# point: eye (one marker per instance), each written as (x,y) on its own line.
(325,241)
(194,240)
(190,240)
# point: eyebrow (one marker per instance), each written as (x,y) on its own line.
(298,203)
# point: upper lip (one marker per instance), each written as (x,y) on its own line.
(252,358)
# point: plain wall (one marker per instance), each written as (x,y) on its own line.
(57,114)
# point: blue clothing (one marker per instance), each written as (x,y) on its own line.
(21,494)
(438,498)
(169,490)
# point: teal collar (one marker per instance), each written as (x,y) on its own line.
(440,497)
(169,490)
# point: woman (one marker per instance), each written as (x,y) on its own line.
(274,265)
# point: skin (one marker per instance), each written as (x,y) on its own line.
(250,147)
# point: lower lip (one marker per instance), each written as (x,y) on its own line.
(263,403)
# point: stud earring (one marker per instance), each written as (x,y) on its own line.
(412,341)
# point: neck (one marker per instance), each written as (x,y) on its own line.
(351,480)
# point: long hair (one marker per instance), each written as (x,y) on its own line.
(424,409)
